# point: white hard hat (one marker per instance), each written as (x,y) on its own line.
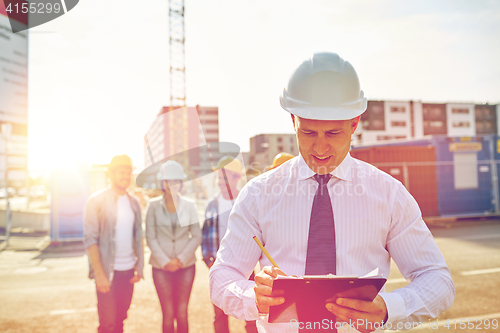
(171,170)
(325,87)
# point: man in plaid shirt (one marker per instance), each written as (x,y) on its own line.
(215,226)
(211,239)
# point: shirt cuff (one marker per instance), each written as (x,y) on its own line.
(139,271)
(396,308)
(251,311)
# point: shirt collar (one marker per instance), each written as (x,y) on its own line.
(343,171)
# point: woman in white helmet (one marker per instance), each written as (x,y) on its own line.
(173,233)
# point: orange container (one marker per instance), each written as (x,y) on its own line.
(414,166)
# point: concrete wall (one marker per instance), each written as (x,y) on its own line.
(36,221)
(418,119)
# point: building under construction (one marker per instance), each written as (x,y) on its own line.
(184,133)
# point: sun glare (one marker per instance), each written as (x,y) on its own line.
(53,151)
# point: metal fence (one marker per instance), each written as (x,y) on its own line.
(445,189)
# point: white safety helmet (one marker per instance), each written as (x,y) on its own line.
(171,170)
(325,87)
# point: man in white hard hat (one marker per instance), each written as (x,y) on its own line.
(229,172)
(325,212)
(113,238)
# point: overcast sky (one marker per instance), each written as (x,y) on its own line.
(99,75)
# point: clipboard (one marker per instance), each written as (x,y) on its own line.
(305,297)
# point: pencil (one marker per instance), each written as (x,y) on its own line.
(265,251)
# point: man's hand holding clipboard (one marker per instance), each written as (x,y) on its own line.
(316,298)
(360,312)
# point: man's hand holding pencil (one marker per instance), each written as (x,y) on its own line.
(264,283)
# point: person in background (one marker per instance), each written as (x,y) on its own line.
(251,173)
(215,226)
(173,233)
(325,212)
(113,238)
(279,159)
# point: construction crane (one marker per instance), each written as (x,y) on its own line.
(177,55)
(175,133)
(178,128)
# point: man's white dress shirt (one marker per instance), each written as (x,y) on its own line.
(375,219)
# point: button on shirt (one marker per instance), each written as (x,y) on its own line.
(375,219)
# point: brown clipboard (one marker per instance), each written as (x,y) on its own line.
(305,298)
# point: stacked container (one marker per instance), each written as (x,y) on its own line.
(448,176)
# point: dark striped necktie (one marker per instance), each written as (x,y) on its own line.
(321,253)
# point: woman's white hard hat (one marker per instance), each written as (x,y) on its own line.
(171,170)
(324,87)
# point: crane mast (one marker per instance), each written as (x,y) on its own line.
(177,54)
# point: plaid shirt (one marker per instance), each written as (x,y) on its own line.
(210,231)
(99,222)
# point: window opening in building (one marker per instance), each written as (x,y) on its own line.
(436,124)
(376,124)
(398,123)
(461,124)
(398,109)
(377,109)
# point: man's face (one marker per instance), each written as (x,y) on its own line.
(232,180)
(324,143)
(121,177)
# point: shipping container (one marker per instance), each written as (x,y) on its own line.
(412,165)
(69,192)
(465,184)
(495,170)
(447,176)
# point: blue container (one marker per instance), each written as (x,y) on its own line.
(496,154)
(464,175)
(69,190)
